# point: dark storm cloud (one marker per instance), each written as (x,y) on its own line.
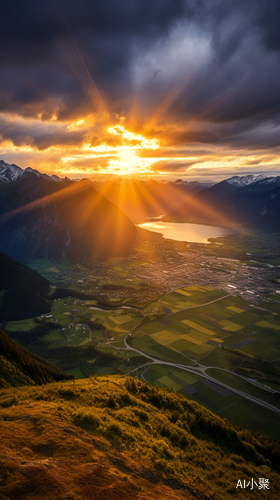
(61,57)
(171,166)
(173,153)
(48,44)
(37,136)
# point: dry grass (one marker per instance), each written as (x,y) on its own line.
(44,456)
(113,437)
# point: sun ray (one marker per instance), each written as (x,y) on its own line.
(81,71)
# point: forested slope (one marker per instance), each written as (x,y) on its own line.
(18,366)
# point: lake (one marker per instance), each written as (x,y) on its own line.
(193,233)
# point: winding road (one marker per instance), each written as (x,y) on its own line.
(200,369)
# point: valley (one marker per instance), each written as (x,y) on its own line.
(140,250)
(200,319)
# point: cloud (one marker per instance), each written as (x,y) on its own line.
(37,134)
(189,73)
(171,166)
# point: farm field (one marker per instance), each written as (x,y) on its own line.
(25,325)
(50,266)
(54,335)
(191,326)
(217,399)
(242,385)
(199,330)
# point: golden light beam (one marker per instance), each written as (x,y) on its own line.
(165,105)
(50,198)
(111,234)
(196,209)
(82,72)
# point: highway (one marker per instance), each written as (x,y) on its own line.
(200,369)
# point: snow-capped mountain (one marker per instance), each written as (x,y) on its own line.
(245,180)
(270,181)
(251,200)
(9,173)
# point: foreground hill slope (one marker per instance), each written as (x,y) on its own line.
(114,437)
(18,366)
(23,291)
(41,218)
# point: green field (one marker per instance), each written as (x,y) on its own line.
(231,406)
(198,330)
(185,327)
(50,266)
(25,325)
(54,335)
(242,385)
(77,372)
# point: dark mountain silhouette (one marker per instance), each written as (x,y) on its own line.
(256,205)
(41,218)
(18,366)
(23,291)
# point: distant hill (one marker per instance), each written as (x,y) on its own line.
(19,367)
(113,437)
(23,291)
(140,199)
(41,218)
(253,201)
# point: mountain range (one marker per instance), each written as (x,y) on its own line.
(9,173)
(137,199)
(250,200)
(83,221)
(45,218)
(144,199)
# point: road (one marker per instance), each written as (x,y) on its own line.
(201,305)
(200,369)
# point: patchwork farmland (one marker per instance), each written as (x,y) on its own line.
(229,346)
(206,321)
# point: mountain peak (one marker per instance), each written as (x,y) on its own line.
(245,180)
(8,172)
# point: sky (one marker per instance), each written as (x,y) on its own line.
(160,89)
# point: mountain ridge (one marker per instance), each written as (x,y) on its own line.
(12,172)
(255,204)
(41,218)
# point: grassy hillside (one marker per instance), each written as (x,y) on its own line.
(138,442)
(18,366)
(22,290)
